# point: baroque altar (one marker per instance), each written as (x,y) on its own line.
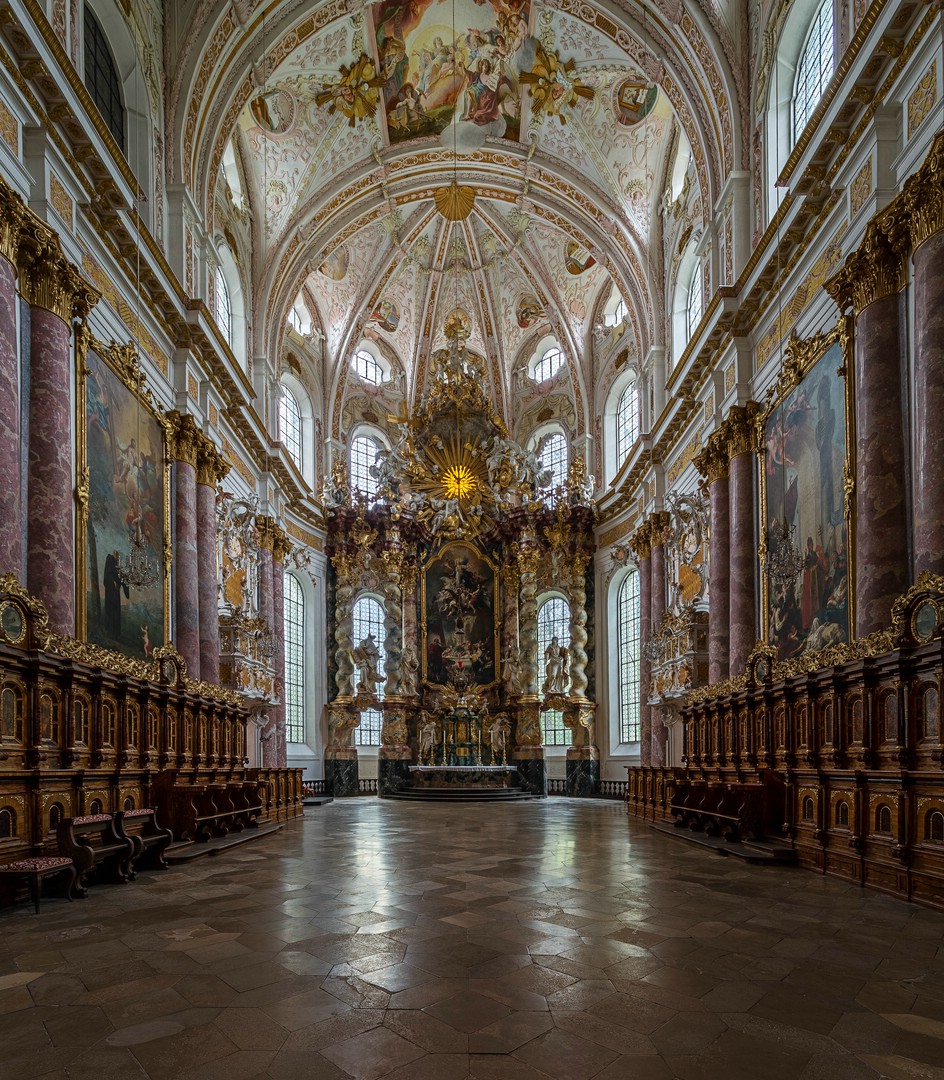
(463,534)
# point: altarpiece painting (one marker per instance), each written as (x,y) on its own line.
(805,443)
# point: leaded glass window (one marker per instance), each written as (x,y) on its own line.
(367,367)
(553,457)
(628,648)
(627,422)
(294,607)
(695,306)
(363,455)
(290,425)
(549,364)
(815,68)
(369,619)
(224,309)
(553,621)
(101,78)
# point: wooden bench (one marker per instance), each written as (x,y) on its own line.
(37,870)
(199,812)
(731,810)
(148,838)
(94,845)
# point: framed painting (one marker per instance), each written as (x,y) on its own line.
(806,447)
(460,610)
(124,497)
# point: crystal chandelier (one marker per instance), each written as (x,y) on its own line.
(135,570)
(653,650)
(783,562)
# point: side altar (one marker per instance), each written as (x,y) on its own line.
(462,535)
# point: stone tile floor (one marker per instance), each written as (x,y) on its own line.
(516,942)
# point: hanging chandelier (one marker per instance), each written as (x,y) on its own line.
(135,570)
(783,561)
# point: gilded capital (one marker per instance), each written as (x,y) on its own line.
(923,196)
(266,532)
(46,277)
(186,437)
(12,214)
(528,557)
(659,523)
(741,430)
(712,461)
(281,547)
(876,269)
(641,540)
(211,465)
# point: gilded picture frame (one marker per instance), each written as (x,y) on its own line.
(452,623)
(806,449)
(123,464)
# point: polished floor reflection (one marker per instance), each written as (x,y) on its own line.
(553,939)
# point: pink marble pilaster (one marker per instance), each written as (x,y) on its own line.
(881,529)
(645,667)
(187,567)
(658,735)
(50,530)
(929,405)
(208,588)
(719,585)
(11,512)
(742,607)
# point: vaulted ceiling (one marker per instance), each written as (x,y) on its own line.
(406,158)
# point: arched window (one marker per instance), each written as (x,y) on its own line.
(934,829)
(369,619)
(883,819)
(548,366)
(290,425)
(627,422)
(363,455)
(223,310)
(368,367)
(553,458)
(628,646)
(554,621)
(7,823)
(294,606)
(815,68)
(101,78)
(695,306)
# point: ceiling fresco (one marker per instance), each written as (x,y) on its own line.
(436,155)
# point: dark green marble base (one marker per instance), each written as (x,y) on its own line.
(341,778)
(532,776)
(392,775)
(582,778)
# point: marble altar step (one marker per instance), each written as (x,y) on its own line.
(463,794)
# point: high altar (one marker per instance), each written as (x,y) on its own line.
(463,537)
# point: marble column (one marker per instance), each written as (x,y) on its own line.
(658,523)
(211,468)
(741,438)
(641,543)
(871,281)
(279,743)
(528,754)
(925,206)
(187,438)
(12,213)
(56,293)
(712,463)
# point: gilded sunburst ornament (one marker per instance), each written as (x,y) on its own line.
(459,482)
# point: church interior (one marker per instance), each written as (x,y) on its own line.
(414,408)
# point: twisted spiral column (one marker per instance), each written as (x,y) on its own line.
(393,623)
(578,628)
(343,626)
(528,556)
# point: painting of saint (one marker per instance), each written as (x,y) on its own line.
(386,315)
(634,101)
(528,311)
(577,259)
(335,265)
(804,455)
(273,111)
(460,602)
(125,458)
(462,70)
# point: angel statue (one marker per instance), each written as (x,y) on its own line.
(427,738)
(556,659)
(498,733)
(366,658)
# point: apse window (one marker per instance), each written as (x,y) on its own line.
(554,621)
(364,452)
(548,366)
(368,368)
(290,425)
(627,605)
(814,69)
(101,79)
(627,422)
(294,602)
(552,455)
(223,307)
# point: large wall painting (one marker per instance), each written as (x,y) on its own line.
(443,63)
(460,605)
(805,441)
(124,450)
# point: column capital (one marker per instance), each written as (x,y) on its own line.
(13,213)
(47,279)
(270,534)
(658,523)
(210,464)
(740,433)
(923,196)
(641,541)
(186,437)
(713,460)
(875,270)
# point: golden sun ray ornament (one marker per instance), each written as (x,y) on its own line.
(553,84)
(356,93)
